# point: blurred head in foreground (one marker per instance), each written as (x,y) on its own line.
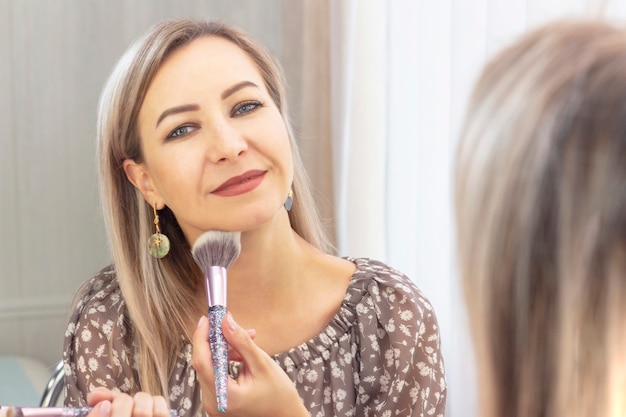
(540,194)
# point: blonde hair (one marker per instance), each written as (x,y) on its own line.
(540,194)
(158,293)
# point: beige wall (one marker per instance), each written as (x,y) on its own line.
(54,58)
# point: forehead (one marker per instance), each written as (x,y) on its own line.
(212,59)
(210,47)
(198,72)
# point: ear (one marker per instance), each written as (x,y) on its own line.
(140,178)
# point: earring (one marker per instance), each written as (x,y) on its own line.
(158,244)
(289,201)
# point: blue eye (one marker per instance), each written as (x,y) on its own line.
(246,107)
(180,131)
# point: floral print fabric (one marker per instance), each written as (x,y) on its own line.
(379,356)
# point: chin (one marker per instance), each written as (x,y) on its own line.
(255,219)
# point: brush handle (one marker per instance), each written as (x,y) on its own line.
(219,352)
(216,285)
(8,411)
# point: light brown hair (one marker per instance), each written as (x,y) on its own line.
(540,194)
(158,293)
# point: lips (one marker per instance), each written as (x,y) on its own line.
(243,183)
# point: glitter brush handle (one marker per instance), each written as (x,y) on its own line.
(219,352)
(7,411)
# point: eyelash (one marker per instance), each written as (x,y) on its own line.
(239,107)
(176,132)
(235,113)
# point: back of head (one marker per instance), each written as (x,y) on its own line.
(541,215)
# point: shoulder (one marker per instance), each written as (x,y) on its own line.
(98,300)
(375,283)
(98,347)
(387,305)
(101,290)
(398,337)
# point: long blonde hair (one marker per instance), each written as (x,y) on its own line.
(158,293)
(540,194)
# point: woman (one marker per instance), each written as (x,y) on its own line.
(541,216)
(193,136)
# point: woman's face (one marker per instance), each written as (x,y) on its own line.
(216,149)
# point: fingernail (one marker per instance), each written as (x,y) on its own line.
(201,321)
(105,409)
(231,322)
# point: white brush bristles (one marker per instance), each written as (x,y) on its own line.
(216,248)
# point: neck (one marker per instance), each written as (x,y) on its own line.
(267,264)
(271,268)
(284,288)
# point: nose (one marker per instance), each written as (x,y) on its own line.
(226,143)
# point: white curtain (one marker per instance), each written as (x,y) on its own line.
(359,119)
(401,73)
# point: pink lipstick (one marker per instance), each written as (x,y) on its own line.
(241,184)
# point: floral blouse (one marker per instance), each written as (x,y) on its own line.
(379,356)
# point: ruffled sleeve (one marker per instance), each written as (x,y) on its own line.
(401,367)
(97,343)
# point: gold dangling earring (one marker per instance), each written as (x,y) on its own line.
(158,244)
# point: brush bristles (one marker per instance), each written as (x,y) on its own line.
(216,248)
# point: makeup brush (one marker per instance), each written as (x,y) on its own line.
(9,411)
(215,251)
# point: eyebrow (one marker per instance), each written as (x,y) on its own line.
(193,107)
(232,90)
(177,109)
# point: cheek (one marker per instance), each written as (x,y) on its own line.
(287,157)
(289,163)
(280,142)
(283,158)
(174,173)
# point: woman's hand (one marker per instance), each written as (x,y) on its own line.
(262,387)
(107,403)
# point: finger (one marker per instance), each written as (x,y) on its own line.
(242,344)
(201,353)
(233,355)
(98,395)
(207,395)
(160,408)
(209,401)
(143,405)
(122,405)
(102,409)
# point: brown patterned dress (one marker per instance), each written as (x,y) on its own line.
(379,356)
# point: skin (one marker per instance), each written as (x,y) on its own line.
(206,118)
(230,126)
